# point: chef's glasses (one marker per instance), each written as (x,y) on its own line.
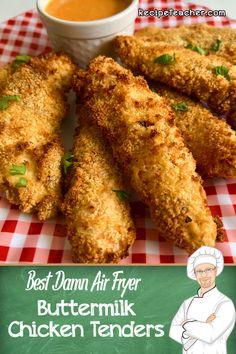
(205,271)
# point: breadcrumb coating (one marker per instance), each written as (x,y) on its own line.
(210,139)
(139,126)
(200,35)
(5,70)
(189,72)
(29,133)
(99,225)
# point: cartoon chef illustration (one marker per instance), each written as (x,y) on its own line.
(204,322)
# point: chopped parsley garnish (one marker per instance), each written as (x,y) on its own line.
(19,60)
(182,106)
(67,161)
(4,101)
(165,59)
(17,170)
(223,71)
(22,182)
(122,195)
(216,46)
(196,49)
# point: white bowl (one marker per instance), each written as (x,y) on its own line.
(84,40)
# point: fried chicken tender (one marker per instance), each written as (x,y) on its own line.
(99,225)
(5,70)
(210,139)
(139,126)
(30,148)
(214,40)
(187,71)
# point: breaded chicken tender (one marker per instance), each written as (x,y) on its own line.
(33,104)
(213,40)
(99,225)
(211,140)
(5,71)
(208,78)
(139,126)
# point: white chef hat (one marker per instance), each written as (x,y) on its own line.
(205,255)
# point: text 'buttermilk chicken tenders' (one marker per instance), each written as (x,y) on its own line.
(202,38)
(150,150)
(99,225)
(32,107)
(211,140)
(208,78)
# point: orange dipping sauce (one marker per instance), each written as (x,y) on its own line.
(85,10)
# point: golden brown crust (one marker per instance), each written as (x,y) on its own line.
(5,71)
(191,73)
(200,35)
(29,133)
(211,140)
(150,150)
(99,225)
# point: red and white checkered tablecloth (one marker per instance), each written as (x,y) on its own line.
(23,238)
